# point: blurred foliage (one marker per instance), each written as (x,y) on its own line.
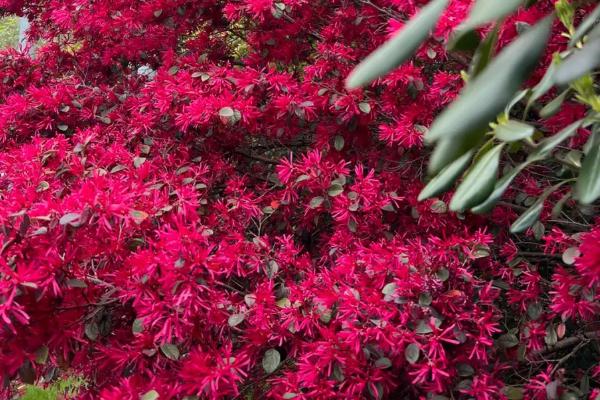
(9,31)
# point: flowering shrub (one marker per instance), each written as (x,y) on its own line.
(193,206)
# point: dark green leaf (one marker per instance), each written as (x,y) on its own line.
(465,370)
(398,49)
(558,207)
(383,363)
(271,360)
(446,178)
(532,214)
(138,325)
(488,93)
(579,63)
(513,131)
(545,147)
(76,283)
(41,355)
(170,351)
(463,40)
(535,310)
(588,23)
(91,330)
(484,53)
(587,189)
(479,182)
(499,189)
(507,341)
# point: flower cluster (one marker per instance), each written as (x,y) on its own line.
(192,206)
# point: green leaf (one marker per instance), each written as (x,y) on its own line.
(579,63)
(170,351)
(389,289)
(487,95)
(532,214)
(271,360)
(587,188)
(545,147)
(513,131)
(449,150)
(499,189)
(150,395)
(544,85)
(485,11)
(398,49)
(446,178)
(479,182)
(335,190)
(586,25)
(338,143)
(316,201)
(484,53)
(383,363)
(138,325)
(411,353)
(554,106)
(41,355)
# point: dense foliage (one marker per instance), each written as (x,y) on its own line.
(192,205)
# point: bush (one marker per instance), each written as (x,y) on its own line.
(192,204)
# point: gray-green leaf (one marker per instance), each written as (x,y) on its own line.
(499,189)
(446,178)
(170,351)
(485,11)
(411,353)
(398,49)
(513,131)
(579,63)
(587,189)
(532,214)
(546,146)
(479,182)
(271,360)
(488,93)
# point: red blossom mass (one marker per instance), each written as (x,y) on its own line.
(186,185)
